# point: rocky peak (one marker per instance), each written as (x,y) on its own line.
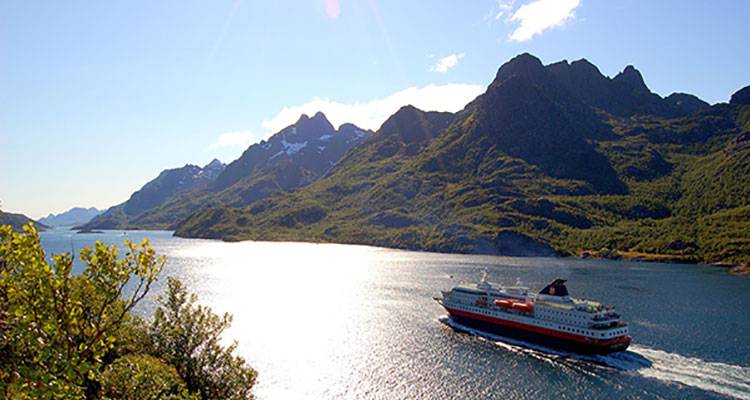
(350,130)
(414,125)
(631,78)
(584,79)
(404,113)
(585,65)
(215,163)
(521,65)
(213,169)
(312,127)
(347,126)
(684,103)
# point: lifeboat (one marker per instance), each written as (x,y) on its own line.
(504,303)
(525,307)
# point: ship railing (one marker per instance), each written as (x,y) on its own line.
(608,325)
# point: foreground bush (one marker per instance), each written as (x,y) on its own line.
(187,335)
(143,377)
(65,336)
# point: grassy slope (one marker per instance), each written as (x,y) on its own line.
(17,221)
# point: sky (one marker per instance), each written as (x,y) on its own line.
(96,98)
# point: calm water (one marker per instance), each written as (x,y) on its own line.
(338,321)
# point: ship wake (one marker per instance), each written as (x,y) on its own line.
(725,379)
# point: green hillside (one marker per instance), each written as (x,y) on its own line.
(533,166)
(17,221)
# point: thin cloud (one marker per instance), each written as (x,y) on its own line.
(240,139)
(446,63)
(539,15)
(333,8)
(499,9)
(502,7)
(371,114)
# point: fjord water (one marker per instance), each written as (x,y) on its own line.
(339,321)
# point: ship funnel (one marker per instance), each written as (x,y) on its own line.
(556,288)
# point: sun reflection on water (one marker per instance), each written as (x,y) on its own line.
(290,295)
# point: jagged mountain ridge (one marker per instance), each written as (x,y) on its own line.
(624,95)
(293,157)
(168,184)
(537,164)
(74,216)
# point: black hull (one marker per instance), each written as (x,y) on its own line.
(544,340)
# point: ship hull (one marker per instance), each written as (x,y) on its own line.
(546,339)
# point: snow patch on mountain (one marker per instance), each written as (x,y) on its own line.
(292,148)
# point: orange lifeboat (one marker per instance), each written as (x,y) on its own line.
(504,303)
(524,307)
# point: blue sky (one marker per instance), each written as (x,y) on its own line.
(96,98)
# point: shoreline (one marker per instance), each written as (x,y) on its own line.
(742,269)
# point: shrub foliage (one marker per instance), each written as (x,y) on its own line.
(73,336)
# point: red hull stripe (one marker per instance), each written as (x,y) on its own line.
(537,329)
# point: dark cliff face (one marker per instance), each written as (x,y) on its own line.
(624,95)
(527,113)
(583,78)
(741,97)
(682,104)
(413,125)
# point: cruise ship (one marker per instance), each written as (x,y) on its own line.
(551,317)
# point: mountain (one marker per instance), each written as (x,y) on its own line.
(624,95)
(169,184)
(296,156)
(74,216)
(742,96)
(293,157)
(17,221)
(554,159)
